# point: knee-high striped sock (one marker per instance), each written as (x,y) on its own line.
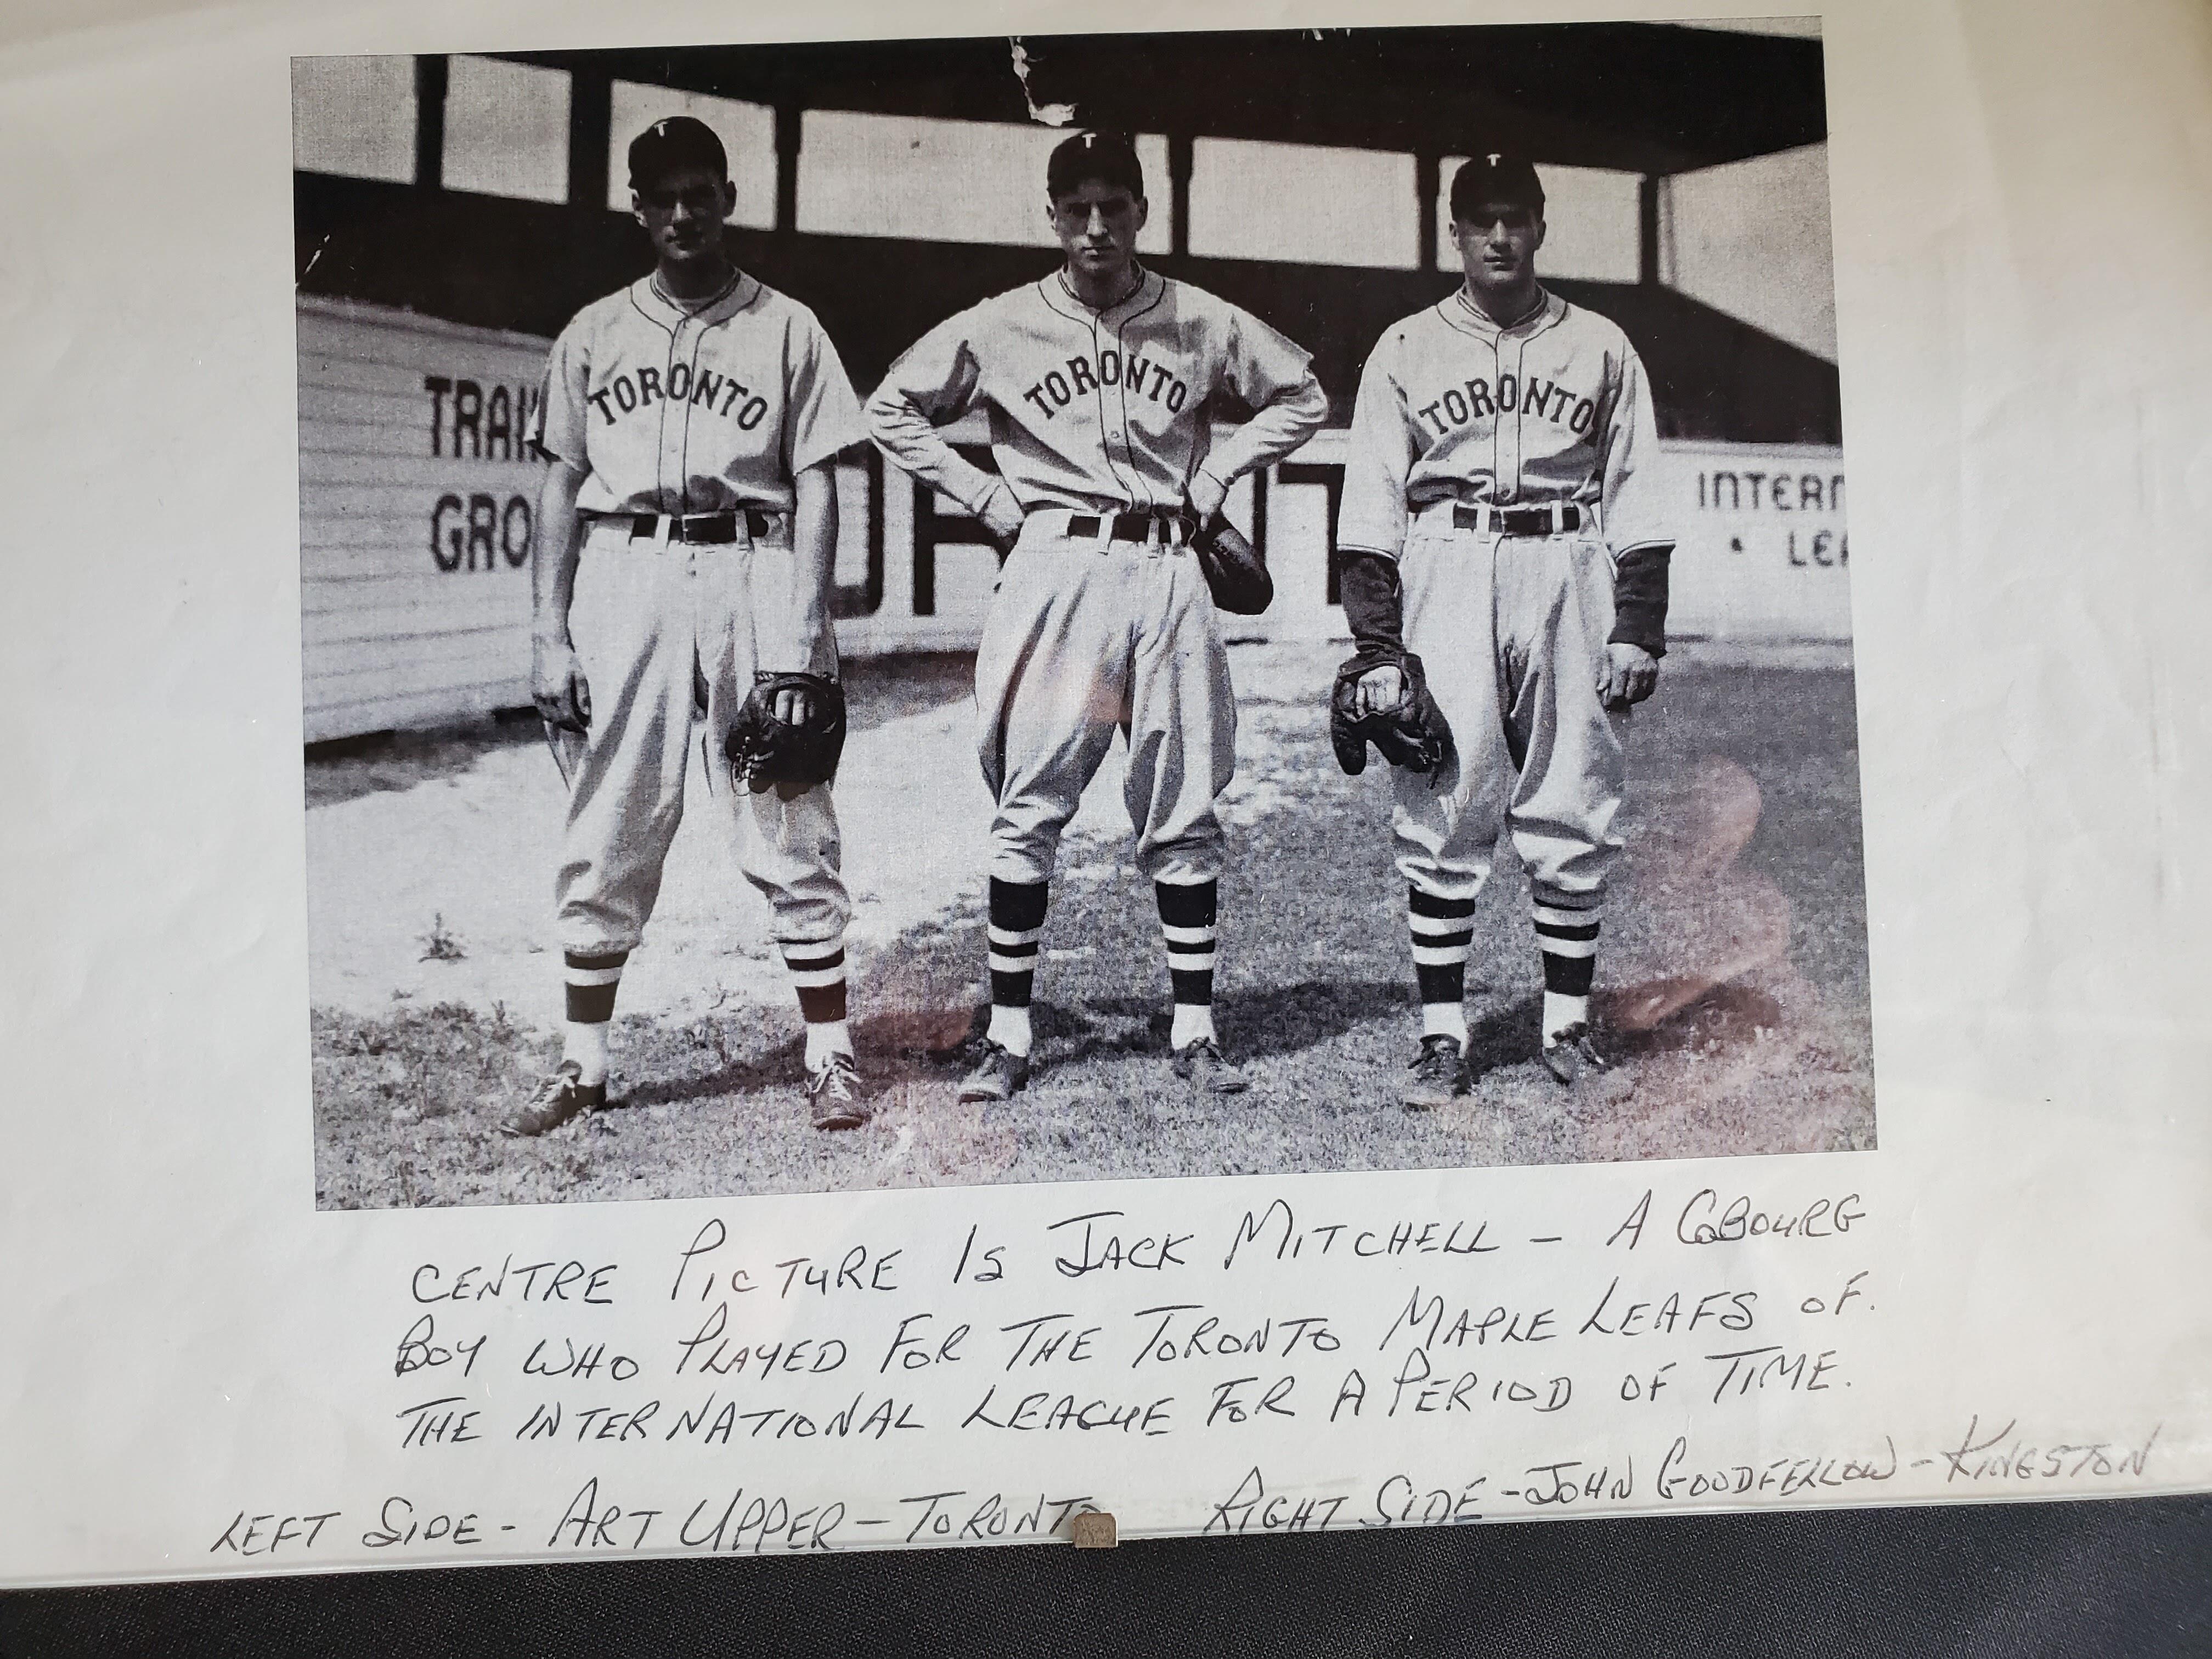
(1017,923)
(1566,932)
(1443,932)
(592,982)
(1188,913)
(816,968)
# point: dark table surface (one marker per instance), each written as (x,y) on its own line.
(2126,1578)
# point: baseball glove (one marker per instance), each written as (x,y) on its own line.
(765,750)
(1413,735)
(1235,576)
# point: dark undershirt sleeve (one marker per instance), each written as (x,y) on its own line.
(1639,598)
(1374,603)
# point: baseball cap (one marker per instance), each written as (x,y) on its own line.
(1100,155)
(679,141)
(1495,176)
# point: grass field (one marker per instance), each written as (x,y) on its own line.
(1734,967)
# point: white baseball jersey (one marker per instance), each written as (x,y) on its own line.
(677,411)
(1452,407)
(1095,411)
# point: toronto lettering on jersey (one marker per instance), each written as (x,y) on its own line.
(470,423)
(718,394)
(1545,399)
(1143,376)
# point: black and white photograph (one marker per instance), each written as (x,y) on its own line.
(941,612)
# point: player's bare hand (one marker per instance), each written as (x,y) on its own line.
(558,685)
(1628,676)
(1002,517)
(1379,690)
(795,706)
(1205,496)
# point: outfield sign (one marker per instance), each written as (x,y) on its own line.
(1764,556)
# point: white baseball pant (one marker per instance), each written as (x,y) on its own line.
(1511,632)
(666,632)
(1087,635)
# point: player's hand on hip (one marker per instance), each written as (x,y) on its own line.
(1205,496)
(1002,517)
(558,685)
(795,706)
(1379,690)
(1627,675)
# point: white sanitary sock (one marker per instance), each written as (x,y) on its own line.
(1010,1029)
(824,1038)
(1444,1019)
(586,1044)
(1194,1023)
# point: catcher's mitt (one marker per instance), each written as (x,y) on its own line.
(1413,735)
(1238,580)
(765,750)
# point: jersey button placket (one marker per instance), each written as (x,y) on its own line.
(1121,395)
(1509,430)
(672,443)
(699,597)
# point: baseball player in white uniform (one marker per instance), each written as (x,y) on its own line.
(1501,522)
(1098,381)
(685,538)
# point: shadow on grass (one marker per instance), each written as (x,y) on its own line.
(1254,1024)
(895,1045)
(1268,1022)
(1504,1036)
(780,1066)
(920,1045)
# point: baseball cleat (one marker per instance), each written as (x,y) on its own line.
(833,1087)
(1001,1074)
(1201,1064)
(560,1098)
(1438,1075)
(1573,1052)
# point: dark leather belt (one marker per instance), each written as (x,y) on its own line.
(697,529)
(1518,520)
(1126,526)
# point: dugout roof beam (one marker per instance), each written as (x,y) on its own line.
(1644,98)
